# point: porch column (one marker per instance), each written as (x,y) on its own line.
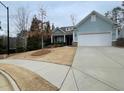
(51,38)
(116,33)
(73,37)
(64,38)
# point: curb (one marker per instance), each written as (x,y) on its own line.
(10,79)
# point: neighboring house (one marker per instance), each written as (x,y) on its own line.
(95,30)
(62,35)
(12,41)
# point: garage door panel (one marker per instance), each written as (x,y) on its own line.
(95,40)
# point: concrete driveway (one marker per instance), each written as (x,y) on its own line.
(93,68)
(96,68)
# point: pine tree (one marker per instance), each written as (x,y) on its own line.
(35,25)
(34,36)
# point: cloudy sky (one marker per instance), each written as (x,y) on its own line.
(58,12)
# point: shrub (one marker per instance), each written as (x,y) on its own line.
(3,51)
(12,50)
(47,42)
(34,43)
(20,49)
(56,45)
(120,42)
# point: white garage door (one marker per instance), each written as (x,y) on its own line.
(104,39)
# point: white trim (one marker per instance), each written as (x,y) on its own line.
(58,29)
(93,18)
(86,33)
(64,38)
(116,33)
(113,40)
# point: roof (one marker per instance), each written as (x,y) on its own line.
(63,29)
(98,14)
(57,28)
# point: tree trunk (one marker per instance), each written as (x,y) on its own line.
(42,42)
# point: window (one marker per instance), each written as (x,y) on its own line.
(68,29)
(93,18)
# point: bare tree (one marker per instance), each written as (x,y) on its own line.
(0,25)
(21,19)
(123,10)
(73,19)
(21,22)
(122,3)
(42,16)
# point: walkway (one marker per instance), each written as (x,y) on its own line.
(53,73)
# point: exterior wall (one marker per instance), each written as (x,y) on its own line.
(99,25)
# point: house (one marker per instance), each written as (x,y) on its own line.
(95,30)
(12,41)
(62,35)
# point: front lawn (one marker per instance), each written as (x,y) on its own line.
(59,55)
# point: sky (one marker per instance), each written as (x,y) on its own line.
(58,12)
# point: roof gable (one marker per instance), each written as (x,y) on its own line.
(97,14)
(58,31)
(64,28)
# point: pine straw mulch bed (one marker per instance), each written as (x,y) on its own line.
(41,52)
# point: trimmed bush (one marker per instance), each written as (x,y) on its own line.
(120,42)
(12,50)
(20,49)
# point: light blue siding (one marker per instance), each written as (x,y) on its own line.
(100,25)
